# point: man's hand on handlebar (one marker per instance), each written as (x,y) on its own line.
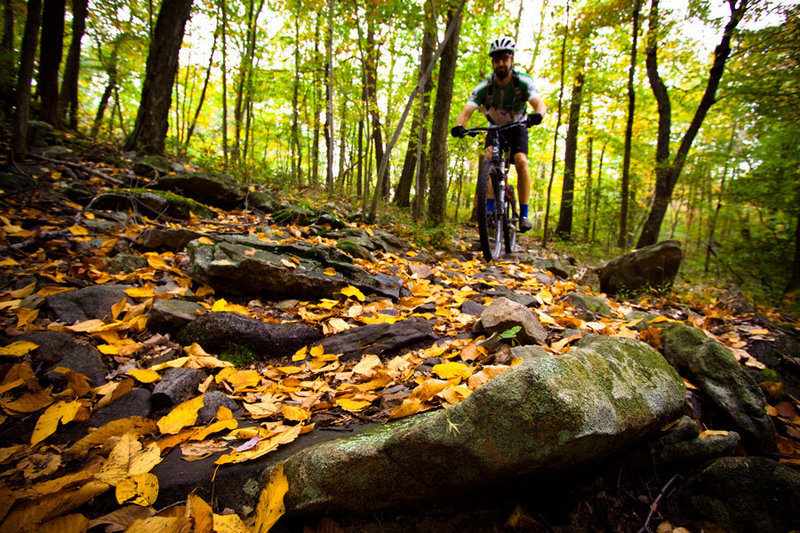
(534,119)
(458,131)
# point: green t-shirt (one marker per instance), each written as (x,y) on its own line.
(508,103)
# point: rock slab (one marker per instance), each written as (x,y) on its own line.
(538,418)
(650,267)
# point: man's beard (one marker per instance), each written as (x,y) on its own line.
(501,72)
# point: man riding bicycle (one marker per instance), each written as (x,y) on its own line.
(503,97)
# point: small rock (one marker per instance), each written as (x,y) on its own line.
(212,401)
(503,315)
(177,385)
(135,403)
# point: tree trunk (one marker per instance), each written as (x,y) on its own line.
(437,203)
(152,120)
(30,36)
(329,99)
(50,53)
(7,60)
(668,172)
(402,195)
(713,225)
(296,175)
(564,226)
(68,104)
(371,70)
(622,240)
(207,78)
(587,204)
(794,280)
(555,134)
(317,112)
(224,15)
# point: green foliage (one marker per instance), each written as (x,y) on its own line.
(237,355)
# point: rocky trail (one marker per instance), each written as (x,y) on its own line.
(182,353)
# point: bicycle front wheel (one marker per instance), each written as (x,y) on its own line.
(509,226)
(490,228)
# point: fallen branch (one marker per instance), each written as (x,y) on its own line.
(654,505)
(96,173)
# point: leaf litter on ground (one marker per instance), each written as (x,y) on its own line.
(44,482)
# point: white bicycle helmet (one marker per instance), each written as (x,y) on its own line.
(502,44)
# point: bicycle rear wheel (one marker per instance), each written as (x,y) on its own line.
(490,228)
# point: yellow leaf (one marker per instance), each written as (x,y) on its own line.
(148,291)
(26,316)
(300,354)
(159,524)
(217,426)
(354,292)
(181,416)
(367,365)
(429,388)
(78,230)
(288,264)
(129,459)
(479,379)
(222,305)
(144,375)
(25,291)
(87,326)
(350,404)
(409,406)
(30,403)
(243,379)
(452,370)
(139,489)
(229,523)
(294,413)
(71,523)
(18,348)
(330,271)
(287,435)
(262,409)
(200,513)
(204,290)
(205,240)
(270,503)
(47,424)
(545,297)
(116,428)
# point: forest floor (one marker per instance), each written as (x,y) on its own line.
(50,245)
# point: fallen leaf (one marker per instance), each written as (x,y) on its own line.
(71,523)
(123,517)
(135,425)
(270,505)
(139,489)
(61,412)
(181,416)
(200,513)
(349,404)
(159,524)
(409,407)
(263,447)
(452,369)
(144,375)
(229,523)
(18,348)
(128,458)
(351,291)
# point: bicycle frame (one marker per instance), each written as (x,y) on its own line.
(499,223)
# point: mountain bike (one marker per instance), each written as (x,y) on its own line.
(499,227)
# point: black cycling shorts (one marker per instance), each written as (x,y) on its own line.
(517,139)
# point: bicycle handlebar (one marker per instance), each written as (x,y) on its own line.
(472,132)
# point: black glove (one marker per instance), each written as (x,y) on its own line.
(458,131)
(535,119)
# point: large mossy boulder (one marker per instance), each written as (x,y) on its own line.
(648,268)
(716,372)
(249,267)
(218,190)
(540,417)
(742,495)
(152,203)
